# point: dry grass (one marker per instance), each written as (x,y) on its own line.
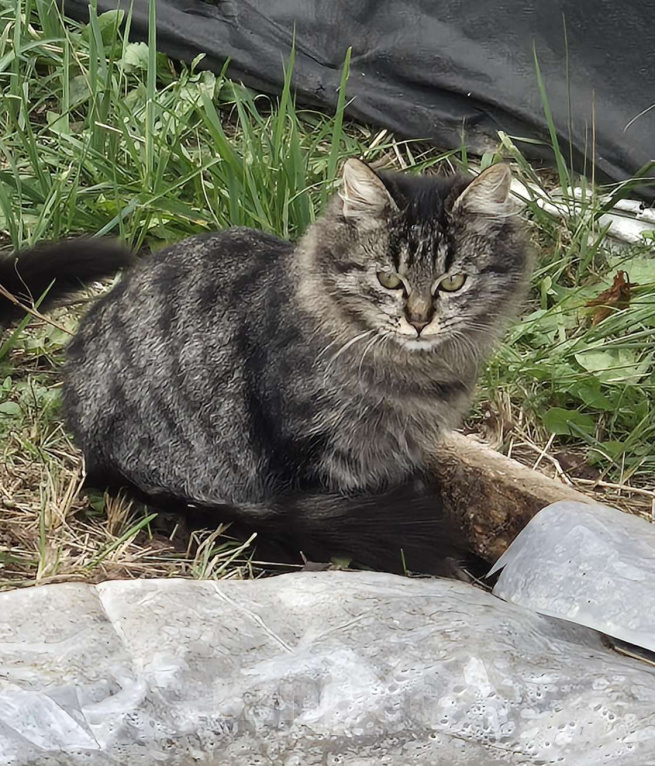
(629,497)
(51,532)
(505,427)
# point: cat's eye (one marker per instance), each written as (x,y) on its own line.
(390,280)
(452,283)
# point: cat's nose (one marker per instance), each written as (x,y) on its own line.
(418,311)
(419,324)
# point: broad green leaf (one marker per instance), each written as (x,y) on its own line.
(58,123)
(10,409)
(589,391)
(640,270)
(136,56)
(107,23)
(613,365)
(96,500)
(611,449)
(568,422)
(596,361)
(79,90)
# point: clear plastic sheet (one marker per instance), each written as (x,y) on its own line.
(586,563)
(314,668)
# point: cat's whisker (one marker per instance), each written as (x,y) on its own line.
(479,325)
(460,339)
(377,339)
(470,353)
(323,351)
(347,345)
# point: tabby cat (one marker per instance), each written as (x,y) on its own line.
(298,389)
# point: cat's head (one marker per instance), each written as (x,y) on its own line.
(423,260)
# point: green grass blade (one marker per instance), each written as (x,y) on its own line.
(562,170)
(337,127)
(151,90)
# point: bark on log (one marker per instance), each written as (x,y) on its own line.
(492,496)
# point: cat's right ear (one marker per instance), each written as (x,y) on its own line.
(363,194)
(489,193)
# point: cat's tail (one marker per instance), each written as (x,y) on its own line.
(405,529)
(50,272)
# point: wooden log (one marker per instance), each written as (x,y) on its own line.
(492,496)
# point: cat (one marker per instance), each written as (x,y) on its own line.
(296,389)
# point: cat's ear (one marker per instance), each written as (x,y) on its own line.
(363,194)
(489,193)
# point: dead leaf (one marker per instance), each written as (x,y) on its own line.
(616,297)
(576,466)
(315,566)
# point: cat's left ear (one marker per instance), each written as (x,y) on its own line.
(489,193)
(364,196)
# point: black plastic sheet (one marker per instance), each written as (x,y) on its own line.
(442,70)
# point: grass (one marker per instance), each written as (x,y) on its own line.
(100,135)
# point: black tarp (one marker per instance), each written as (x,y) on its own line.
(429,68)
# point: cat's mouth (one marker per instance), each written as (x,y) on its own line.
(422,339)
(418,343)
